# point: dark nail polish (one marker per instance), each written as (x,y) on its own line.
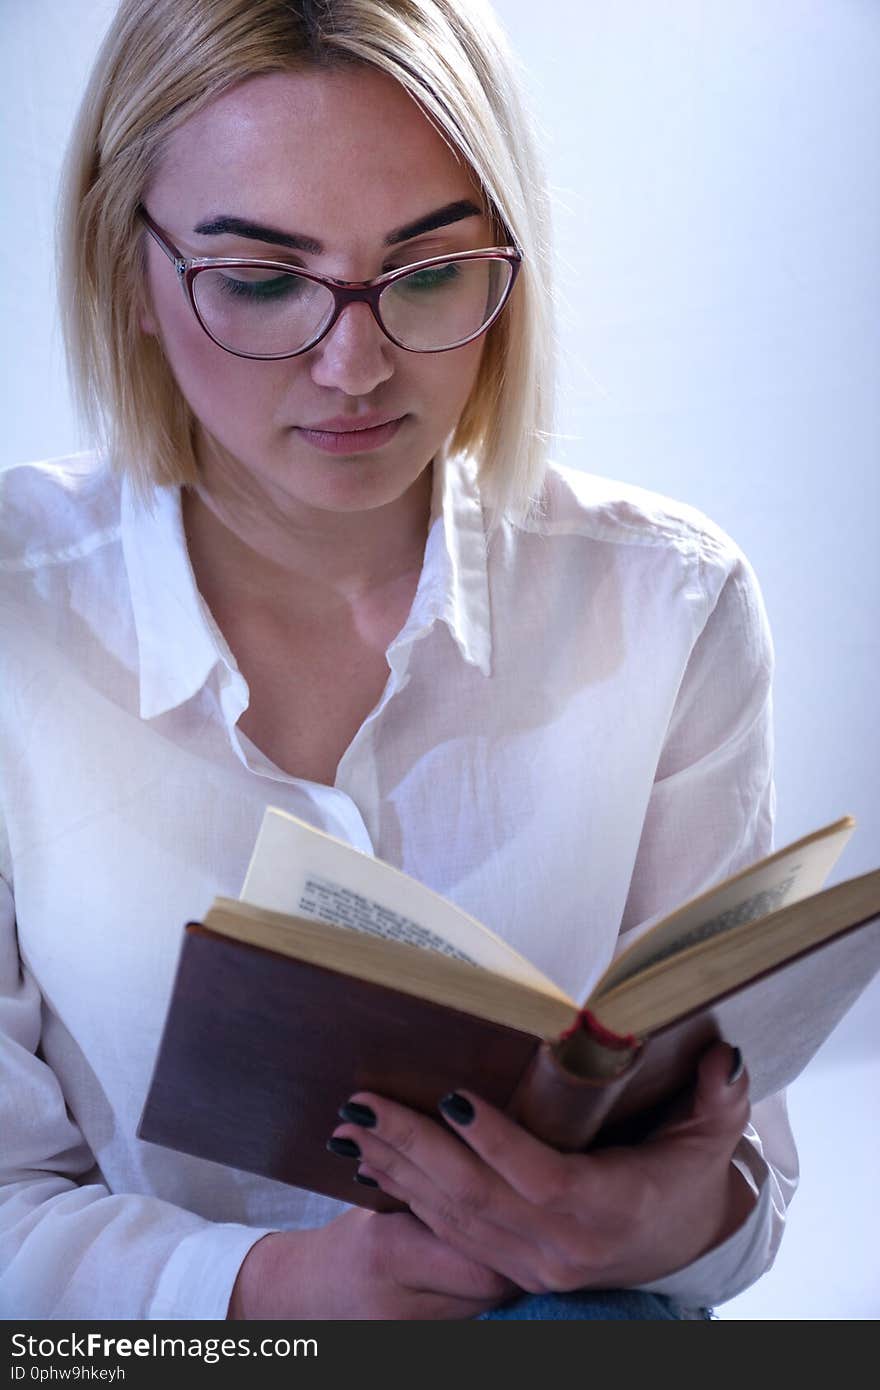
(357,1114)
(345,1148)
(457,1109)
(365,1181)
(736,1067)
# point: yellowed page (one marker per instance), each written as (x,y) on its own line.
(305,872)
(688,979)
(787,876)
(425,974)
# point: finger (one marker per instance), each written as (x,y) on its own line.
(404,1143)
(526,1234)
(536,1172)
(522,1163)
(721,1103)
(719,1109)
(418,1161)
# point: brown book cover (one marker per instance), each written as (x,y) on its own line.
(260,1049)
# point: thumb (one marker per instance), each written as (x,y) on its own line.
(721,1095)
(715,1109)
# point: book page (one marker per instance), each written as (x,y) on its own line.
(787,876)
(324,901)
(307,873)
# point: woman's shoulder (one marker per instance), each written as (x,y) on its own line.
(56,510)
(613,512)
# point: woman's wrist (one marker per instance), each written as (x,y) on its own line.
(268,1283)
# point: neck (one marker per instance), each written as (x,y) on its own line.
(255,549)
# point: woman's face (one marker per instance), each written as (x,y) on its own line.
(344,158)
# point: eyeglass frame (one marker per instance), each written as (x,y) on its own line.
(344,292)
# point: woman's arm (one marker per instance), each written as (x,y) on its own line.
(361,1266)
(696,1213)
(69,1248)
(711,814)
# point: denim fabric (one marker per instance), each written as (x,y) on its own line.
(595,1304)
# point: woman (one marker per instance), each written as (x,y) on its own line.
(321,562)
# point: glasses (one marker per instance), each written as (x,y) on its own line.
(267,309)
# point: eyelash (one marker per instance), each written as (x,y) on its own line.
(258,289)
(432,277)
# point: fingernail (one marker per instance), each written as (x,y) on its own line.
(736,1067)
(457,1109)
(365,1181)
(346,1148)
(357,1114)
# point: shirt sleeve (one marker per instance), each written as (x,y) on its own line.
(68,1247)
(710,814)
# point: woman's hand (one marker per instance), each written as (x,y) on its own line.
(363,1265)
(549,1221)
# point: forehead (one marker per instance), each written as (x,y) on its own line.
(318,150)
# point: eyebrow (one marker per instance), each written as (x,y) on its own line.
(237,226)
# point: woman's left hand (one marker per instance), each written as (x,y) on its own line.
(551,1221)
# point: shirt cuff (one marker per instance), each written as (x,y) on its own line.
(197,1281)
(725,1271)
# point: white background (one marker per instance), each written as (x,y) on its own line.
(717,204)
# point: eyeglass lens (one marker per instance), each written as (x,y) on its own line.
(268,312)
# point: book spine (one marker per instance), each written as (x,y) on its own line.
(571,1085)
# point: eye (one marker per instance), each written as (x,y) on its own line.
(433,277)
(257,286)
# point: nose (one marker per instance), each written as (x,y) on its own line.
(355,357)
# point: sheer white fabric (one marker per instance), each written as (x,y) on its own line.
(574,736)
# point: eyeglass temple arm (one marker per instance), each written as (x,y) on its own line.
(174,257)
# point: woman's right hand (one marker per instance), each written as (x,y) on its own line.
(363,1265)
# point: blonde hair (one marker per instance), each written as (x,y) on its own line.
(164,59)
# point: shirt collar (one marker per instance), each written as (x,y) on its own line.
(179,643)
(454,584)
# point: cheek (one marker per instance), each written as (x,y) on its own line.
(220,389)
(450,377)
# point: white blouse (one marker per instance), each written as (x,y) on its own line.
(574,737)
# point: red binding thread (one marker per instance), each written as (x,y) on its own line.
(586,1021)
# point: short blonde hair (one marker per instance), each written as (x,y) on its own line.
(164,59)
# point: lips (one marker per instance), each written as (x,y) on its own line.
(350,424)
(344,435)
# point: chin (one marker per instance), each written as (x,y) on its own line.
(348,482)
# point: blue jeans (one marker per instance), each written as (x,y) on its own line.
(596,1304)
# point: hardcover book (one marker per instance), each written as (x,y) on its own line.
(335,972)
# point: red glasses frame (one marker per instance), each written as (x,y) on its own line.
(344,292)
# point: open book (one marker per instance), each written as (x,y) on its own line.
(335,972)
